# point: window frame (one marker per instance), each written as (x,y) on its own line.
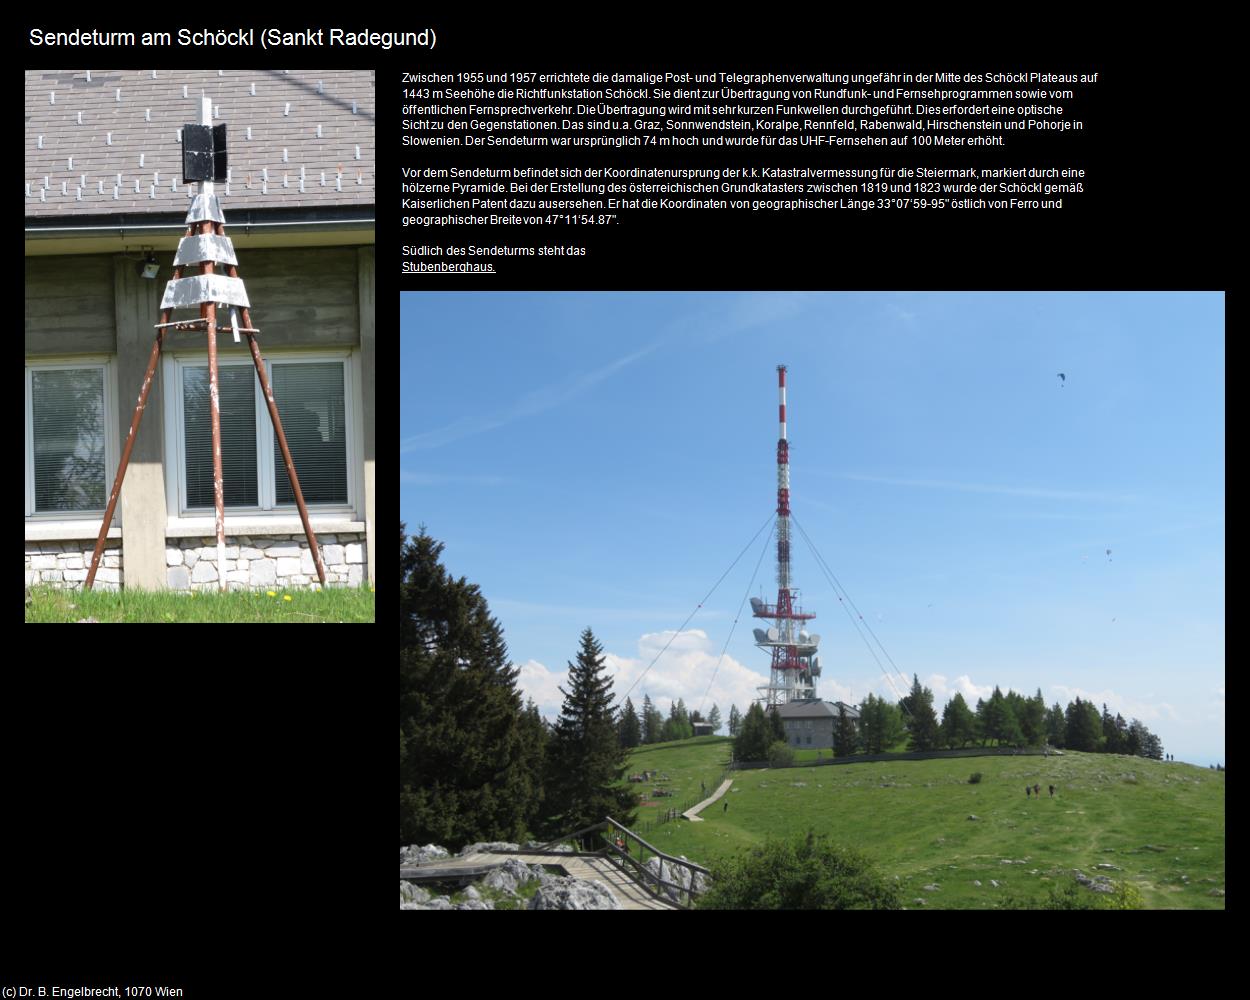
(268,456)
(107,364)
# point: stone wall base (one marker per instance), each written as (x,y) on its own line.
(269,562)
(65,564)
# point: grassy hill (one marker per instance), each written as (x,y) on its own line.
(1160,824)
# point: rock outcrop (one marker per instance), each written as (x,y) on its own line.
(574,894)
(512,875)
(1099,883)
(497,845)
(678,874)
(415,855)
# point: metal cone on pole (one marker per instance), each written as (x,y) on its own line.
(206,244)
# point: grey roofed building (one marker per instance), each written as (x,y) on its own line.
(816,710)
(104,189)
(811,723)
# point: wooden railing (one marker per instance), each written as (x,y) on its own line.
(618,846)
(619,849)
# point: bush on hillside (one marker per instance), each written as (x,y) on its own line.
(807,873)
(780,755)
(975,779)
(1072,895)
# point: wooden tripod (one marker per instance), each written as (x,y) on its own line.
(205,242)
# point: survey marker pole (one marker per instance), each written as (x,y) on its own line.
(206,243)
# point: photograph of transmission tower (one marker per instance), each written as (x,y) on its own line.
(777,600)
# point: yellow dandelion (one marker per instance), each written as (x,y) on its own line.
(271,593)
(286,597)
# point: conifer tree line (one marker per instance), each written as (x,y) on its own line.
(1004,720)
(650,726)
(474,763)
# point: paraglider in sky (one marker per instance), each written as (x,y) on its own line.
(1108,555)
(1062,379)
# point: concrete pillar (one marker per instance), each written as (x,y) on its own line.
(368,364)
(143,514)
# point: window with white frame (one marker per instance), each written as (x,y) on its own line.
(69,445)
(313,394)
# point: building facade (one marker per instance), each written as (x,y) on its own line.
(811,724)
(103,169)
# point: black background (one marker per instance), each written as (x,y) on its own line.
(212,804)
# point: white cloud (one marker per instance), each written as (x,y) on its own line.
(944,691)
(684,671)
(541,684)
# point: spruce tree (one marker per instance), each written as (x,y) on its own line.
(631,727)
(682,728)
(1121,730)
(894,730)
(872,724)
(735,720)
(844,738)
(980,718)
(652,722)
(1114,732)
(677,726)
(958,726)
(1084,726)
(922,723)
(1148,744)
(469,759)
(777,725)
(998,721)
(713,719)
(534,735)
(586,762)
(1056,727)
(1012,731)
(755,735)
(1033,720)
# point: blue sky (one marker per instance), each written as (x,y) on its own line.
(599,459)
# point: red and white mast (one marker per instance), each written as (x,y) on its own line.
(794,662)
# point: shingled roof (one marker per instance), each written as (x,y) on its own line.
(85,129)
(815,710)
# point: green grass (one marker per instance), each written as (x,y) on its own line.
(336,604)
(1161,824)
(691,764)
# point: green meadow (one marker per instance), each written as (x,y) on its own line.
(1158,825)
(333,605)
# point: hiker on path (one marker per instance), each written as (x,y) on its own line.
(1037,790)
(726,809)
(1052,791)
(1028,792)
